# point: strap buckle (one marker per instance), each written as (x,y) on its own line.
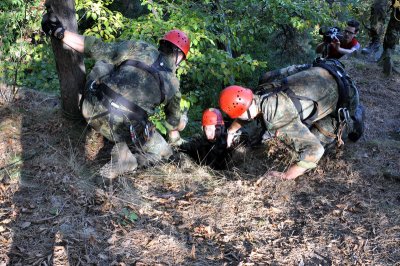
(343,115)
(134,136)
(91,87)
(148,131)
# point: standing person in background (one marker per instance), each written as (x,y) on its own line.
(379,12)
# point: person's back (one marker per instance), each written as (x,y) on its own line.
(313,85)
(135,84)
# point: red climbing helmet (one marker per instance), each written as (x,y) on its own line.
(212,116)
(235,100)
(179,39)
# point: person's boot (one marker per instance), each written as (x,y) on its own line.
(387,62)
(357,128)
(372,48)
(122,162)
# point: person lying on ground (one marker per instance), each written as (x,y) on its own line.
(210,148)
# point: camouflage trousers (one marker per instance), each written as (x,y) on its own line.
(393,30)
(117,128)
(379,12)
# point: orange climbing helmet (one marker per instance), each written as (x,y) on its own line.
(235,100)
(212,116)
(179,39)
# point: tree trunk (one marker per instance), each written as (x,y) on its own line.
(70,66)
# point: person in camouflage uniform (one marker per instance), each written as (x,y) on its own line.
(296,109)
(129,80)
(379,12)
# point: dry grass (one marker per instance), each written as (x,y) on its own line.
(345,212)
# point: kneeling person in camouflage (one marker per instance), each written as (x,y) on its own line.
(297,106)
(129,80)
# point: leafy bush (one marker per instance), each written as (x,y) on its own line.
(232,41)
(103,22)
(25,60)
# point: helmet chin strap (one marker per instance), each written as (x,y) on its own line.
(248,111)
(177,51)
(248,114)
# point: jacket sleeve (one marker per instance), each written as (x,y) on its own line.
(173,112)
(110,52)
(308,147)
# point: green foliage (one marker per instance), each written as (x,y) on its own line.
(232,41)
(24,59)
(208,68)
(127,216)
(157,119)
(105,23)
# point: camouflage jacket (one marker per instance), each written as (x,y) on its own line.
(282,118)
(135,84)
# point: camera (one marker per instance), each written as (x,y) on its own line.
(330,34)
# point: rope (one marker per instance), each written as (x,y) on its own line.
(396,6)
(340,141)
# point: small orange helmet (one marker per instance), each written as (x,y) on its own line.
(179,39)
(235,100)
(212,116)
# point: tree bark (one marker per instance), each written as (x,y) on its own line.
(70,65)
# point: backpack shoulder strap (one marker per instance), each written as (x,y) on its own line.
(151,70)
(294,98)
(336,69)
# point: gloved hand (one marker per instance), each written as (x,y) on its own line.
(52,26)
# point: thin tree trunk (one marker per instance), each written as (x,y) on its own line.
(70,66)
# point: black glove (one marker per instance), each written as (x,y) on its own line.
(52,26)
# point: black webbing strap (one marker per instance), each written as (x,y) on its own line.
(295,100)
(339,77)
(137,112)
(151,70)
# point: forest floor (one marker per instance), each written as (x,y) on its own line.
(344,212)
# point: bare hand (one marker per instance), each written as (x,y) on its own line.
(182,122)
(336,44)
(292,173)
(229,139)
(280,175)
